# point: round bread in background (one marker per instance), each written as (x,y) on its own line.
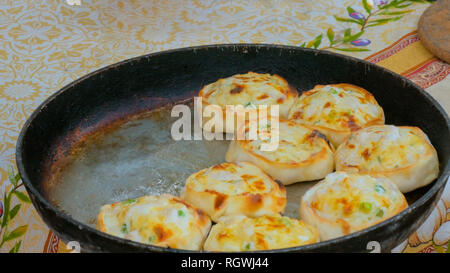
(241,233)
(164,221)
(403,154)
(344,203)
(234,188)
(434,28)
(302,154)
(249,90)
(336,110)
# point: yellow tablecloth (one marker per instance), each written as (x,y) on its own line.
(46,44)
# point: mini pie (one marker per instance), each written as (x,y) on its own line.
(401,153)
(234,188)
(249,90)
(336,110)
(344,203)
(162,220)
(241,233)
(302,154)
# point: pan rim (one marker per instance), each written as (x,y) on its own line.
(437,185)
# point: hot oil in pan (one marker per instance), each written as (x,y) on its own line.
(138,158)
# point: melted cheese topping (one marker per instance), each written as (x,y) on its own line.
(232,179)
(357,199)
(340,107)
(159,220)
(296,142)
(249,90)
(382,148)
(240,233)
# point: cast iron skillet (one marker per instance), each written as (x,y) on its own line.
(157,79)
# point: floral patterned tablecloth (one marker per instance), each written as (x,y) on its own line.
(46,44)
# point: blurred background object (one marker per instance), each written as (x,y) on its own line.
(434,29)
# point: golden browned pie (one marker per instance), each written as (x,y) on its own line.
(403,154)
(233,189)
(241,233)
(164,220)
(248,90)
(302,154)
(336,110)
(344,203)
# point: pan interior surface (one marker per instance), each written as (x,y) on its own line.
(138,158)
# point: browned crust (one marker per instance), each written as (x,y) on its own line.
(254,201)
(396,170)
(162,233)
(201,215)
(100,223)
(345,226)
(378,121)
(315,158)
(219,235)
(220,199)
(236,90)
(369,96)
(289,91)
(254,198)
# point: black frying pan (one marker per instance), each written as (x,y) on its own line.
(92,110)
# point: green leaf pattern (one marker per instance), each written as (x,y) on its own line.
(375,15)
(9,213)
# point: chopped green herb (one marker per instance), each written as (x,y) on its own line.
(124,228)
(129,201)
(247,246)
(379,158)
(151,239)
(332,90)
(285,221)
(181,213)
(380,213)
(365,207)
(249,104)
(379,188)
(332,114)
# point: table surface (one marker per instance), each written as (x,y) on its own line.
(45,45)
